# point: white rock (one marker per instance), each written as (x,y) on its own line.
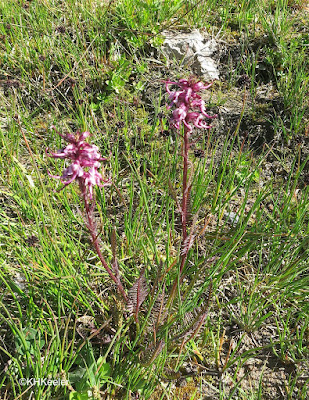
(192,49)
(232,218)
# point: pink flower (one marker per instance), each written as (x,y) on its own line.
(85,163)
(190,108)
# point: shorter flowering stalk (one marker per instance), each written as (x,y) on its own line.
(83,155)
(190,112)
(85,160)
(91,225)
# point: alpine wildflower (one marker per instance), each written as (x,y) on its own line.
(191,112)
(86,160)
(190,108)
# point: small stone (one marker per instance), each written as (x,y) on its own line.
(232,218)
(192,49)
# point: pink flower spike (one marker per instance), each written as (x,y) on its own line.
(85,163)
(190,108)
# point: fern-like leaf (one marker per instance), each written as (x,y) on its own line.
(192,321)
(136,296)
(188,243)
(158,312)
(152,352)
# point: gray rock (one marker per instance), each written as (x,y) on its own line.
(232,218)
(194,50)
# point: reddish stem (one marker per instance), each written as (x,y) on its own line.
(185,193)
(184,186)
(94,239)
(184,210)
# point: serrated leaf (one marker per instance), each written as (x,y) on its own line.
(192,321)
(136,296)
(152,352)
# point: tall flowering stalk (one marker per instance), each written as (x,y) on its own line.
(84,168)
(190,113)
